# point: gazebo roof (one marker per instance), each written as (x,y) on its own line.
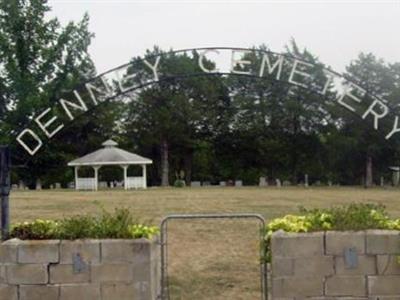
(110,155)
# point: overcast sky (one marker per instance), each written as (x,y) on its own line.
(336,31)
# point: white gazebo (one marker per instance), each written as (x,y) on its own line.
(110,155)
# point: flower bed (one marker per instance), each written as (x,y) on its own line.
(117,225)
(348,252)
(106,257)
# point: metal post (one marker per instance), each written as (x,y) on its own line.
(5,167)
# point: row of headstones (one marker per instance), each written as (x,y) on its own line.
(238,183)
(263,182)
(112,184)
(22,186)
(221,183)
(71,185)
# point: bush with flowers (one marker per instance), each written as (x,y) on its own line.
(352,217)
(119,225)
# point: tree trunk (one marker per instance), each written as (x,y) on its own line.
(368,172)
(164,163)
(188,159)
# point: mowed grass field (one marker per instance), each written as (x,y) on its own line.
(207,259)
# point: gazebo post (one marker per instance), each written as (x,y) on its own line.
(125,176)
(96,175)
(144,175)
(76,169)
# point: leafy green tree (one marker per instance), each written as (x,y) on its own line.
(280,124)
(173,116)
(365,146)
(40,60)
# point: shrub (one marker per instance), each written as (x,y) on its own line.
(179,183)
(117,225)
(37,230)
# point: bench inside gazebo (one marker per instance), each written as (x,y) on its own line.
(110,155)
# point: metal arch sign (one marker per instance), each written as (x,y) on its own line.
(229,61)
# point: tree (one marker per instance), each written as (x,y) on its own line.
(172,117)
(39,61)
(368,146)
(280,124)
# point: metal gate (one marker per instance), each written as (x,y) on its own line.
(164,290)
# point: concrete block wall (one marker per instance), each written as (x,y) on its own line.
(318,266)
(82,269)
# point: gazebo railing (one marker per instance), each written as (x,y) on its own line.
(134,182)
(86,184)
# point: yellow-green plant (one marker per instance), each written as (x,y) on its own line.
(355,216)
(119,225)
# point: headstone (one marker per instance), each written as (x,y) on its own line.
(222,183)
(396,175)
(382,181)
(238,183)
(330,182)
(58,185)
(263,181)
(306,180)
(278,182)
(230,183)
(38,184)
(51,186)
(14,186)
(206,183)
(195,183)
(21,185)
(111,184)
(286,183)
(103,184)
(71,185)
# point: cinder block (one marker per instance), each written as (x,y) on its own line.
(89,250)
(144,275)
(346,286)
(65,274)
(38,292)
(117,251)
(384,285)
(8,252)
(383,242)
(366,266)
(118,291)
(282,267)
(80,292)
(8,292)
(27,274)
(36,252)
(337,242)
(3,274)
(337,298)
(293,245)
(314,266)
(297,287)
(112,273)
(387,265)
(384,298)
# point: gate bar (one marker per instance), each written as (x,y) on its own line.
(163,243)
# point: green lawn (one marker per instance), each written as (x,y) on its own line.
(207,260)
